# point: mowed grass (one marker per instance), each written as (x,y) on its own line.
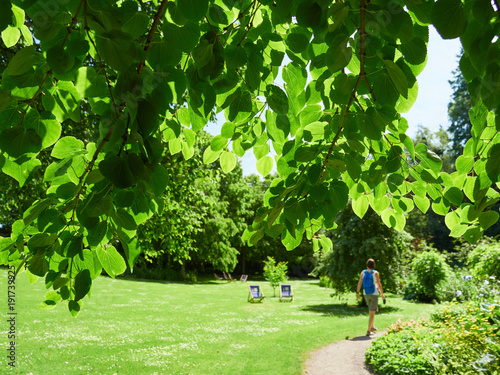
(138,327)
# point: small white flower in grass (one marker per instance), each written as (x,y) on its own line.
(459,293)
(486,282)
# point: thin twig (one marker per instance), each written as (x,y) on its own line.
(152,31)
(73,21)
(250,24)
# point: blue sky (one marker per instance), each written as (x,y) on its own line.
(431,106)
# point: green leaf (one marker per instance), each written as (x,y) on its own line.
(38,265)
(83,284)
(493,163)
(147,118)
(59,60)
(74,247)
(74,307)
(67,147)
(428,159)
(265,165)
(218,143)
(115,48)
(414,51)
(464,164)
(454,195)
(18,141)
(235,56)
(240,108)
(360,205)
(123,219)
(210,156)
(112,262)
(136,24)
(193,10)
(449,18)
(45,126)
(309,14)
(353,167)
(339,54)
(277,99)
(316,129)
(132,252)
(10,36)
(183,38)
(398,77)
(227,161)
(487,219)
(122,172)
(297,41)
(473,234)
(394,219)
(19,170)
(422,203)
(23,61)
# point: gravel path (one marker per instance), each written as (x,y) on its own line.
(346,357)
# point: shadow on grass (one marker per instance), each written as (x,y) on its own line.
(333,309)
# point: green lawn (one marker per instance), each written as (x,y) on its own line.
(140,327)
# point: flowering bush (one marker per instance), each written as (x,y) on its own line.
(459,286)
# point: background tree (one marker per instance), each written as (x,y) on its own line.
(357,240)
(275,273)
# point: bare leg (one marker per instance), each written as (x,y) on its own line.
(371,320)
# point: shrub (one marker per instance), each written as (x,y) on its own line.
(275,273)
(458,339)
(484,260)
(429,270)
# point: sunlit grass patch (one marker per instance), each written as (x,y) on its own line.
(170,328)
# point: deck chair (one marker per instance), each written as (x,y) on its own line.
(286,293)
(243,278)
(217,277)
(255,294)
(230,277)
(226,277)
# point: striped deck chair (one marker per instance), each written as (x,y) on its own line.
(286,293)
(255,294)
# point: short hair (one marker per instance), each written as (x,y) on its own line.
(370,263)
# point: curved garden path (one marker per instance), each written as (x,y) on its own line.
(346,357)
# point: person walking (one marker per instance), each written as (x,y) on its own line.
(370,281)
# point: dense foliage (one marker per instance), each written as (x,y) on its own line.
(335,125)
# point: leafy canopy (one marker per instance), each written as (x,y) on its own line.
(334,125)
